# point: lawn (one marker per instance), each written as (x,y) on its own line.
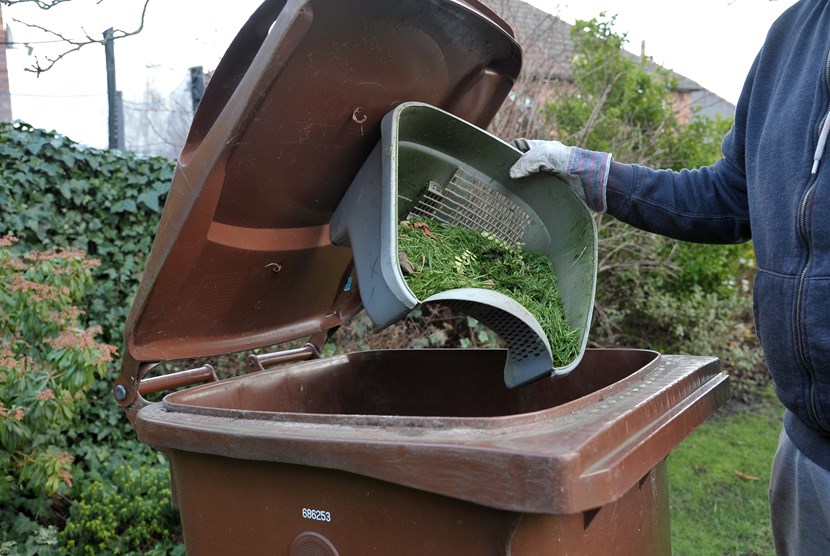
(718,481)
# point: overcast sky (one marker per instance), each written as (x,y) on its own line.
(712,42)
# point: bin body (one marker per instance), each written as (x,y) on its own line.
(260,511)
(366,454)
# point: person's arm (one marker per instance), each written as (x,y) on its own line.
(708,205)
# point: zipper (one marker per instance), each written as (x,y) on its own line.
(821,143)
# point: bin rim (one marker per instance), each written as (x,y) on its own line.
(558,461)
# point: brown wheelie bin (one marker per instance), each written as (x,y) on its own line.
(389,452)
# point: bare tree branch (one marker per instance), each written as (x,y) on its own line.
(73,44)
(522,114)
(42,4)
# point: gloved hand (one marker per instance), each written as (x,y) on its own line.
(586,172)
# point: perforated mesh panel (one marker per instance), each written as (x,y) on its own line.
(522,342)
(469,202)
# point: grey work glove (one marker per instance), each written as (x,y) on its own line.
(586,172)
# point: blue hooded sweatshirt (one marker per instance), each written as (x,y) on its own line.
(771,186)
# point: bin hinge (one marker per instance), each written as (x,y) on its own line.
(262,361)
(132,384)
(311,350)
(205,373)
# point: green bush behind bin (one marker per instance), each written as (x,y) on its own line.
(58,193)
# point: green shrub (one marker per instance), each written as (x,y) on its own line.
(56,192)
(26,537)
(48,360)
(60,453)
(687,298)
(652,291)
(128,512)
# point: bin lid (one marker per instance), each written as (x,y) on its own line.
(242,257)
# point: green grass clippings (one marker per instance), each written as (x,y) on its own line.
(436,257)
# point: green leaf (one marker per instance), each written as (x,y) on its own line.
(65,189)
(149,198)
(127,205)
(34,147)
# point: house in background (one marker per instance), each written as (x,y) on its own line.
(548,51)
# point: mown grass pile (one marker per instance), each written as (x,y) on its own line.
(436,257)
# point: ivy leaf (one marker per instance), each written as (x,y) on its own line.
(149,199)
(67,157)
(50,169)
(35,146)
(66,189)
(162,187)
(126,205)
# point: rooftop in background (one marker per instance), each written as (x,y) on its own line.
(548,50)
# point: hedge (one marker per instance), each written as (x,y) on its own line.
(58,193)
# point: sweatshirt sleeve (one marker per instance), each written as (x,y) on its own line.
(707,205)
